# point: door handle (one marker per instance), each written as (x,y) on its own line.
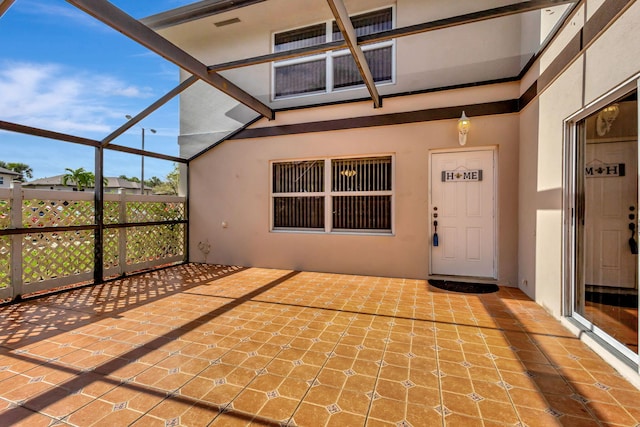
(435,233)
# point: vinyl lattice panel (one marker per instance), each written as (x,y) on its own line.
(51,213)
(152,243)
(110,254)
(5,261)
(5,211)
(155,211)
(55,255)
(111,213)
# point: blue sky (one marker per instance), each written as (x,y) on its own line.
(62,70)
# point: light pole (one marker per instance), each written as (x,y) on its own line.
(142,160)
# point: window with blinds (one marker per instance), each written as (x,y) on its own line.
(366,23)
(333,70)
(338,195)
(301,37)
(345,72)
(298,189)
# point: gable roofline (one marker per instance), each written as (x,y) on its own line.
(6,171)
(192,12)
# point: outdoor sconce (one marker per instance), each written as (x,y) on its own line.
(464,123)
(605,119)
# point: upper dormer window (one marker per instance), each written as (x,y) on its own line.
(333,70)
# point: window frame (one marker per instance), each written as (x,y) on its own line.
(329,58)
(328,194)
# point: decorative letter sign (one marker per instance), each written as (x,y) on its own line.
(605,170)
(462,175)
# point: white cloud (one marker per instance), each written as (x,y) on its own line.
(62,99)
(62,11)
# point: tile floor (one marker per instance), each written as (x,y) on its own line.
(225,346)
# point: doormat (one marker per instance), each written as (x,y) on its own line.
(467,288)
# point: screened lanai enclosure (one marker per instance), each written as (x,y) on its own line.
(284,212)
(54,235)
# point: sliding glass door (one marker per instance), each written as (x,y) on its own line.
(605,282)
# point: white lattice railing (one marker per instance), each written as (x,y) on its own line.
(39,258)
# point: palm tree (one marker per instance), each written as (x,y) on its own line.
(79,177)
(22,168)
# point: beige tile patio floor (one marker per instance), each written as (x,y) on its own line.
(224,346)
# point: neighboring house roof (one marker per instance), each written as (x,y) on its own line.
(113,182)
(8,172)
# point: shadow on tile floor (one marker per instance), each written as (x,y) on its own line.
(215,345)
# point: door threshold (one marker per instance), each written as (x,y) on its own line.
(464,279)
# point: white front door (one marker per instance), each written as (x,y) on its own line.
(611,178)
(463,205)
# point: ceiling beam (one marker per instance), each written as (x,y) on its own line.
(4,6)
(150,109)
(152,154)
(130,27)
(349,33)
(469,18)
(28,130)
(279,56)
(43,133)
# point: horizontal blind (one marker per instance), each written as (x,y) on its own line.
(301,37)
(380,64)
(300,78)
(367,23)
(345,72)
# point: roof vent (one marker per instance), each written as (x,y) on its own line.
(227,22)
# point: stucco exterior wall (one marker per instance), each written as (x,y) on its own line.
(480,51)
(606,63)
(230,185)
(614,56)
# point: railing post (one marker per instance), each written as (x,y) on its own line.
(184,186)
(98,203)
(122,232)
(16,240)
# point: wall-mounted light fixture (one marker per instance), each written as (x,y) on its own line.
(464,123)
(605,119)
